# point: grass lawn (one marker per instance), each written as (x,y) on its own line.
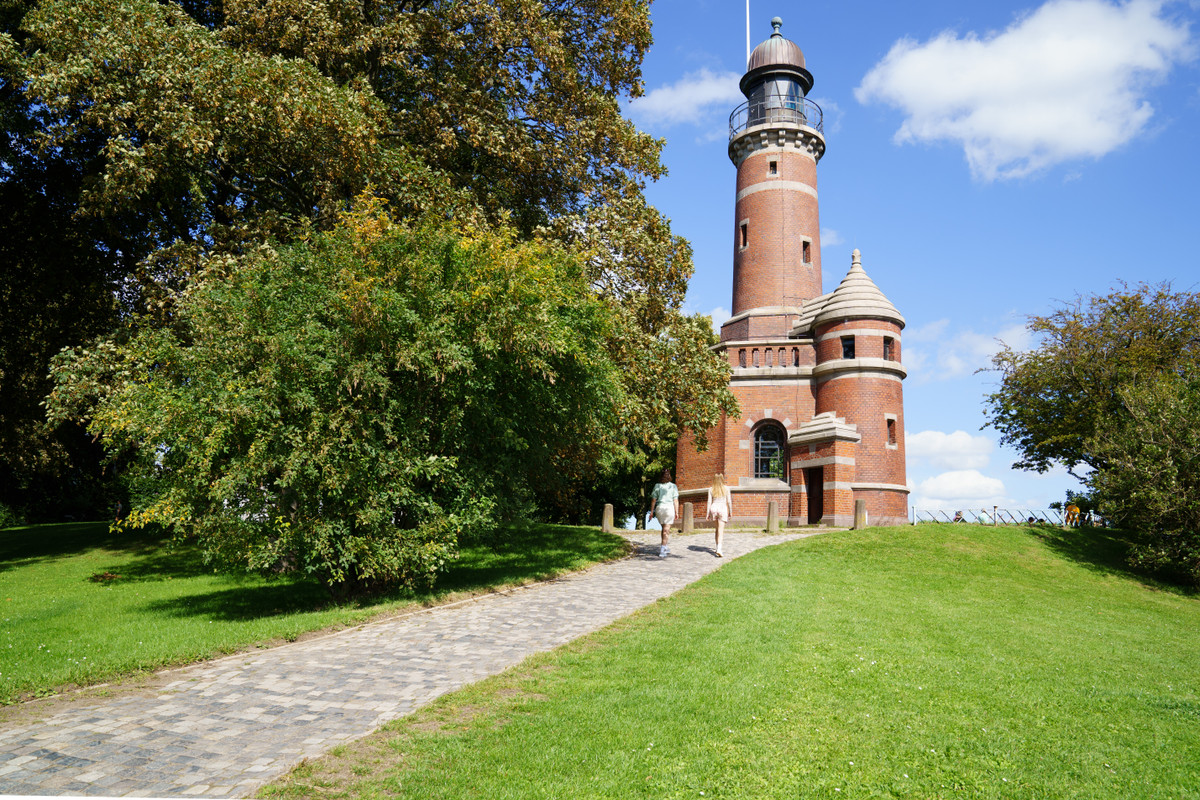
(936,661)
(80,605)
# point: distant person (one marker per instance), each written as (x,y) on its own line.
(720,507)
(1072,514)
(665,507)
(958,517)
(984,519)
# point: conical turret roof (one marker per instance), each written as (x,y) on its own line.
(856,297)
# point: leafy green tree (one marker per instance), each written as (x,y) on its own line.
(1054,399)
(1151,476)
(348,406)
(1113,387)
(199,129)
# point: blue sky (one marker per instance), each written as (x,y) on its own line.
(990,160)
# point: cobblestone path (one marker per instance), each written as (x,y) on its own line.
(223,728)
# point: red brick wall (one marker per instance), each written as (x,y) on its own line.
(863,401)
(865,345)
(694,469)
(770,270)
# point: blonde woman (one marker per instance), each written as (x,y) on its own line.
(720,506)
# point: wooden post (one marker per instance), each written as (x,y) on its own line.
(773,516)
(687,518)
(606,522)
(860,514)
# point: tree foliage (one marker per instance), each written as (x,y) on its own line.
(1151,476)
(350,405)
(1054,399)
(1115,387)
(194,132)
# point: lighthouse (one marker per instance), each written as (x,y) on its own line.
(817,376)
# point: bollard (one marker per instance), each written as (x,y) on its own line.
(606,522)
(860,514)
(687,518)
(773,517)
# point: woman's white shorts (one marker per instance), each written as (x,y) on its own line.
(665,514)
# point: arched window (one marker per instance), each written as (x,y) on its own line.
(770,452)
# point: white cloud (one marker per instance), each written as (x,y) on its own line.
(690,99)
(831,114)
(953,451)
(963,488)
(929,332)
(1065,82)
(831,238)
(938,355)
(719,316)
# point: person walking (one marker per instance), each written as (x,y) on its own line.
(665,507)
(720,507)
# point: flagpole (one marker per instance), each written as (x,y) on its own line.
(747,31)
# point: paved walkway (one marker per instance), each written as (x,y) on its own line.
(223,728)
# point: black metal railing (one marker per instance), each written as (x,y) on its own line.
(775,109)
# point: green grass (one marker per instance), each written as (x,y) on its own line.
(80,605)
(939,661)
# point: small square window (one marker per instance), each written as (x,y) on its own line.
(847,347)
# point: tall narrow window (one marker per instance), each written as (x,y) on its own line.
(744,234)
(754,356)
(891,431)
(795,356)
(773,168)
(742,357)
(769,452)
(807,250)
(847,347)
(889,349)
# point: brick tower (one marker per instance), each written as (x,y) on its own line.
(817,375)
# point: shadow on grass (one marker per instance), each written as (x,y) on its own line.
(245,603)
(511,554)
(527,552)
(165,562)
(67,540)
(1106,552)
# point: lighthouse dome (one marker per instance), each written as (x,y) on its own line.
(776,67)
(776,51)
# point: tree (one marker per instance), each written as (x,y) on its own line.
(1151,476)
(350,405)
(1054,399)
(1113,386)
(203,130)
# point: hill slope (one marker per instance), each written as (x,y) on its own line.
(934,661)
